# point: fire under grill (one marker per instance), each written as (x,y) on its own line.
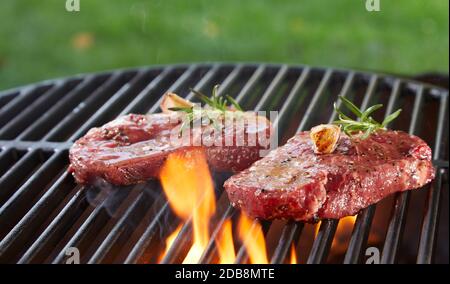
(44,213)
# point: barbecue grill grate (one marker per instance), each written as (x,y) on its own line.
(43,212)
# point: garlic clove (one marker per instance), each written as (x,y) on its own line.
(171,100)
(325,138)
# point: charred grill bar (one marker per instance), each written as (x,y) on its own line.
(43,212)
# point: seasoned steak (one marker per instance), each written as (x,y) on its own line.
(132,148)
(293,182)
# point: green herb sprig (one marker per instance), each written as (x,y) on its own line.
(364,123)
(217,108)
(217,102)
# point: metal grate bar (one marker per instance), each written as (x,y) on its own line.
(48,239)
(291,229)
(180,82)
(20,102)
(397,222)
(180,245)
(363,222)
(17,124)
(251,83)
(142,97)
(299,84)
(315,100)
(343,93)
(137,250)
(430,221)
(20,234)
(46,146)
(19,203)
(211,248)
(370,91)
(271,88)
(79,101)
(361,228)
(6,97)
(97,219)
(360,235)
(443,111)
(16,174)
(107,109)
(290,234)
(320,248)
(431,217)
(35,185)
(88,106)
(242,257)
(116,231)
(322,243)
(204,80)
(47,120)
(231,78)
(8,157)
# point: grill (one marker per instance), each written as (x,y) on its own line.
(43,212)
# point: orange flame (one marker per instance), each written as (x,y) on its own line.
(343,232)
(317,228)
(169,241)
(225,245)
(293,259)
(253,240)
(187,183)
(345,224)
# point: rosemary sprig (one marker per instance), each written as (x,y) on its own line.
(364,123)
(217,108)
(217,102)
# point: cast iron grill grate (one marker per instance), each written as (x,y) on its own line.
(43,212)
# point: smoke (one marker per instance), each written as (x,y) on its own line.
(148,202)
(140,201)
(105,195)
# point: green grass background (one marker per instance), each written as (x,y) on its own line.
(40,39)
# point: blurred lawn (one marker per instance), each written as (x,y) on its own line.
(40,40)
